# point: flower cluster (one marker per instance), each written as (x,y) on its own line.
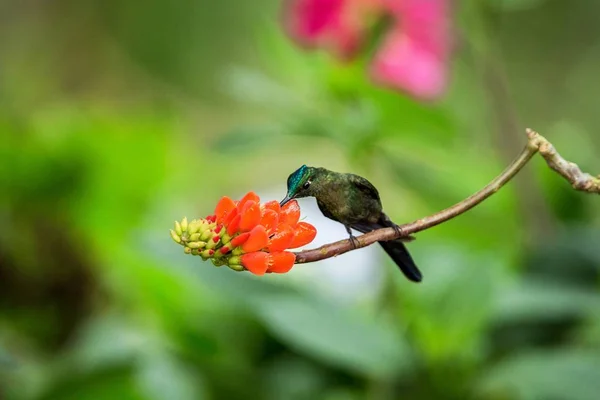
(247,235)
(415,50)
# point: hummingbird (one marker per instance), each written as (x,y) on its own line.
(354,202)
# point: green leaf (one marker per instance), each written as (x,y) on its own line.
(334,335)
(544,300)
(294,377)
(114,383)
(163,377)
(106,342)
(252,87)
(515,5)
(246,140)
(452,306)
(6,359)
(564,374)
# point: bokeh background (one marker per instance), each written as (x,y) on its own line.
(117,118)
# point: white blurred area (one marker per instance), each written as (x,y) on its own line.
(352,277)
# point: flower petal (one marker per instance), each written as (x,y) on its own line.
(256,262)
(257,240)
(250,216)
(250,196)
(415,54)
(281,262)
(308,20)
(224,207)
(269,220)
(335,24)
(240,239)
(304,234)
(272,205)
(234,226)
(230,216)
(282,239)
(290,213)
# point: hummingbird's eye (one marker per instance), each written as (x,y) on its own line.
(306,185)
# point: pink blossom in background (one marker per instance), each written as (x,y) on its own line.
(414,54)
(337,25)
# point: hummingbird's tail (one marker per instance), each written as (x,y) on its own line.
(398,252)
(395,249)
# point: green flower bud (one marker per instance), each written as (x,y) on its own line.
(207,234)
(187,250)
(225,238)
(208,253)
(193,227)
(195,237)
(178,229)
(211,244)
(203,225)
(237,267)
(196,245)
(184,224)
(175,237)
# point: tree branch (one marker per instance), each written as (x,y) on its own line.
(578,179)
(570,171)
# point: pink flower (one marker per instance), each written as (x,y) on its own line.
(337,25)
(414,54)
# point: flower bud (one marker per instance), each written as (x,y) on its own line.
(225,237)
(194,227)
(235,260)
(175,237)
(207,253)
(184,224)
(224,250)
(213,242)
(195,237)
(237,267)
(206,235)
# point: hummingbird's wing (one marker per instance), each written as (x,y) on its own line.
(365,186)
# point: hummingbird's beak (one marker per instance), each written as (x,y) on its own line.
(285,200)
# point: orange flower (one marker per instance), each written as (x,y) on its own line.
(247,235)
(260,262)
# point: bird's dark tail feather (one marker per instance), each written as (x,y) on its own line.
(395,249)
(398,252)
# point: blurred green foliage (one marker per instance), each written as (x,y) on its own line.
(118,118)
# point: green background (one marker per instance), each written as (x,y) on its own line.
(117,118)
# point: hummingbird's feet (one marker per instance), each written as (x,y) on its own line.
(401,235)
(353,240)
(398,230)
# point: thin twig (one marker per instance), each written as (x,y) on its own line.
(570,171)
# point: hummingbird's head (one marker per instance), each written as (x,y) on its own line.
(299,184)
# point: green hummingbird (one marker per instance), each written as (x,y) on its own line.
(353,201)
